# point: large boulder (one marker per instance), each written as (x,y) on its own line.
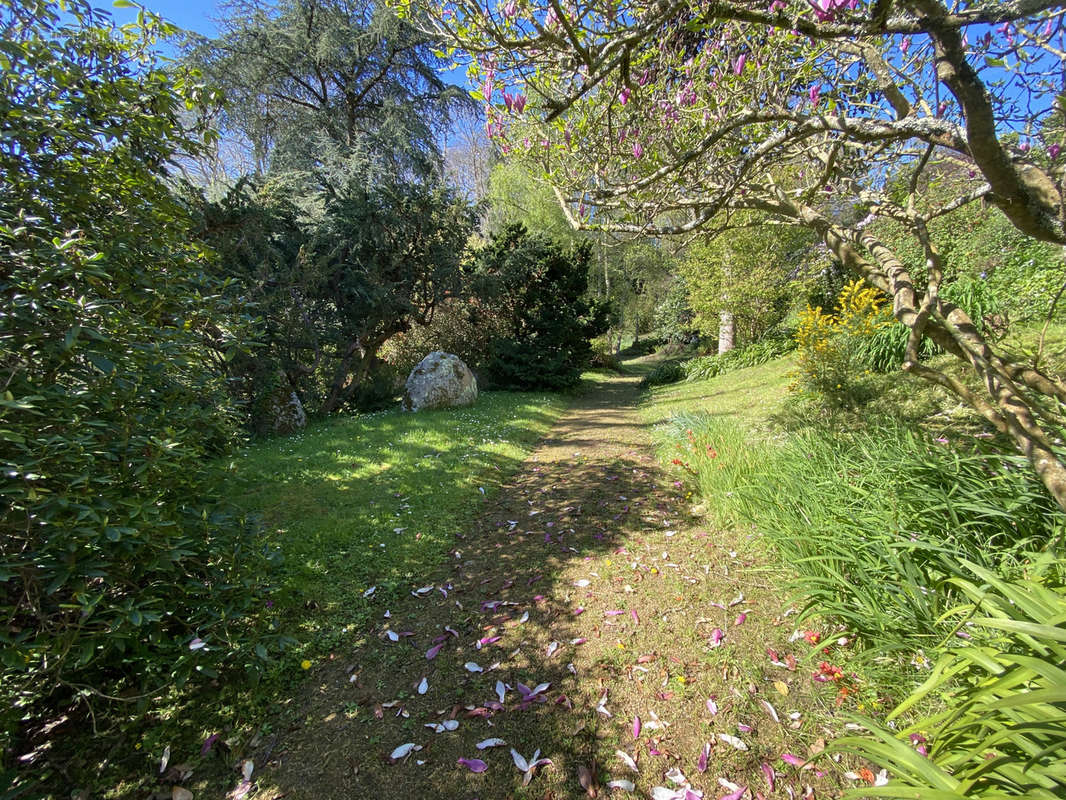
(440,380)
(280,410)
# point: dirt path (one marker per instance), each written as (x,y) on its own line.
(585,573)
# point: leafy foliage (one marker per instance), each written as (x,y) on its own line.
(831,347)
(741,272)
(334,288)
(465,326)
(1000,733)
(673,318)
(314,87)
(766,349)
(874,522)
(540,287)
(114,555)
(667,372)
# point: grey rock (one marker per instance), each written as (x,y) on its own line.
(441,380)
(283,412)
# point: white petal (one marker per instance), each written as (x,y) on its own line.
(624,785)
(732,740)
(771,710)
(524,618)
(423,686)
(552,648)
(405,749)
(519,761)
(393,636)
(450,724)
(662,793)
(627,760)
(472,667)
(370,591)
(581,584)
(677,776)
(501,690)
(487,743)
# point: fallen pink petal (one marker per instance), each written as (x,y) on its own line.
(769,774)
(473,764)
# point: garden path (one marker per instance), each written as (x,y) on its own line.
(583,597)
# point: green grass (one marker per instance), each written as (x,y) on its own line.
(748,396)
(329,502)
(869,508)
(376,500)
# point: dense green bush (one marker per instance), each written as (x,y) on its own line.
(664,373)
(465,326)
(119,575)
(538,285)
(376,258)
(673,320)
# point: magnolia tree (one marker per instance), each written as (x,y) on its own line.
(667,117)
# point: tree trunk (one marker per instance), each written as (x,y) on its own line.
(1012,397)
(726,332)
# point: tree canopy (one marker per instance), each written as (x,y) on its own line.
(313,84)
(672,117)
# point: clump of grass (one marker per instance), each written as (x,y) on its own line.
(664,373)
(751,355)
(873,521)
(999,729)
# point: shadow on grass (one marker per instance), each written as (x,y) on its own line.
(349,503)
(504,578)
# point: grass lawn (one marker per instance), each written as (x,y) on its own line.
(357,508)
(748,396)
(364,504)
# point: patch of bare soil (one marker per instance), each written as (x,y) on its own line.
(585,614)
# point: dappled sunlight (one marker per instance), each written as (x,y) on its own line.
(749,394)
(580,614)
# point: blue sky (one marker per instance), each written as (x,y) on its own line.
(198,16)
(193,15)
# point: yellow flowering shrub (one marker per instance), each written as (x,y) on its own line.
(830,347)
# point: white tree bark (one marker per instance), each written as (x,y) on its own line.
(726,331)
